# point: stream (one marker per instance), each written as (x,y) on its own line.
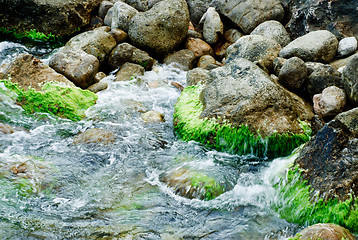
(114,191)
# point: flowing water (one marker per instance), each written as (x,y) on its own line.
(114,190)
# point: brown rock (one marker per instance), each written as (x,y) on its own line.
(153,117)
(95,135)
(198,47)
(325,231)
(128,71)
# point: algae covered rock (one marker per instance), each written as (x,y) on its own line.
(95,135)
(56,99)
(192,184)
(321,187)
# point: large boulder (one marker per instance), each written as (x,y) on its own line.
(77,65)
(98,42)
(350,80)
(322,187)
(317,46)
(248,14)
(339,17)
(241,110)
(162,28)
(255,48)
(51,16)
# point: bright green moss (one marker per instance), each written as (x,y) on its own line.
(33,35)
(208,184)
(224,137)
(62,101)
(298,205)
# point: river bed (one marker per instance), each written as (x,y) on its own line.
(114,191)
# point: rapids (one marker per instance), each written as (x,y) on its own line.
(113,191)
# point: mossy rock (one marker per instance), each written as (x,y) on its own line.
(298,204)
(59,100)
(221,135)
(192,184)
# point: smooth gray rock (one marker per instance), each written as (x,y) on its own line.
(162,28)
(321,76)
(142,5)
(212,26)
(318,46)
(274,30)
(125,52)
(97,87)
(122,14)
(350,80)
(242,93)
(182,59)
(108,18)
(257,49)
(293,73)
(347,46)
(197,75)
(76,65)
(248,14)
(330,102)
(98,42)
(103,8)
(129,71)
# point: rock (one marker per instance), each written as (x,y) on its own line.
(194,34)
(95,135)
(205,60)
(122,14)
(318,46)
(339,17)
(350,80)
(274,30)
(198,47)
(277,64)
(293,73)
(99,76)
(192,184)
(329,160)
(242,93)
(97,87)
(320,77)
(248,14)
(197,8)
(232,35)
(76,65)
(162,28)
(347,46)
(108,18)
(30,72)
(257,49)
(128,71)
(153,117)
(197,75)
(42,89)
(182,59)
(7,129)
(98,43)
(340,63)
(349,118)
(103,8)
(212,26)
(142,5)
(95,22)
(125,52)
(119,35)
(326,231)
(49,17)
(330,102)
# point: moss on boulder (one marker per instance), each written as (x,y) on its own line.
(59,100)
(299,204)
(221,135)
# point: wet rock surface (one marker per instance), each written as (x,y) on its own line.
(326,231)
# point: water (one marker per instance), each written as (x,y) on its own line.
(114,191)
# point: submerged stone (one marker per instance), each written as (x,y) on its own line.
(326,231)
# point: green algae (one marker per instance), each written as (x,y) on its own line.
(32,35)
(224,137)
(61,101)
(298,204)
(211,188)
